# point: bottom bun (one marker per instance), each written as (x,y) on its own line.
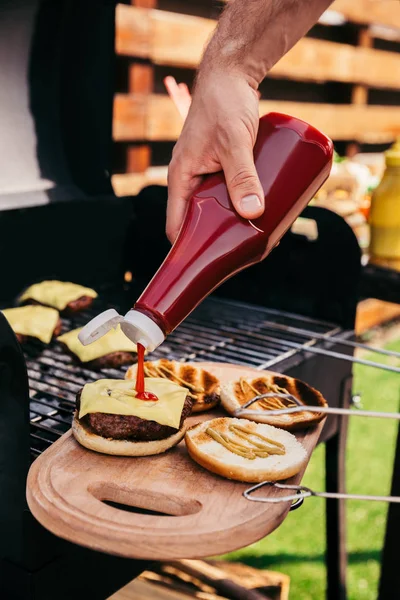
(201,406)
(96,442)
(214,457)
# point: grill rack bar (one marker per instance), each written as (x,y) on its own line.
(290,348)
(324,337)
(332,354)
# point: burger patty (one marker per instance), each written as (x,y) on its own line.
(23,339)
(72,307)
(128,427)
(114,360)
(79,304)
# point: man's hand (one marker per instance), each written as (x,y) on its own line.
(219,134)
(221,127)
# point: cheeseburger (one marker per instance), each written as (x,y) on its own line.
(109,418)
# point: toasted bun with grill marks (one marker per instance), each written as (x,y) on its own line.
(214,457)
(236,393)
(95,442)
(203,386)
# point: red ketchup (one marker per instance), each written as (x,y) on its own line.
(293,159)
(141,394)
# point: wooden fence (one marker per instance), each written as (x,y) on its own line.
(344,79)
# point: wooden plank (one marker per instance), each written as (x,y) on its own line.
(138,158)
(372,312)
(359,93)
(382,12)
(130,117)
(137,28)
(130,184)
(155,118)
(144,3)
(140,81)
(196,579)
(140,78)
(216,578)
(143,590)
(132,35)
(172,38)
(319,60)
(178,40)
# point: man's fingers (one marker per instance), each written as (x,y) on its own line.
(243,183)
(180,187)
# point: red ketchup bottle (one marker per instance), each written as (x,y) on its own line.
(293,160)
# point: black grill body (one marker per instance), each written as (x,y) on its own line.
(228,327)
(61,221)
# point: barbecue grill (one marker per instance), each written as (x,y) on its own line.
(292,314)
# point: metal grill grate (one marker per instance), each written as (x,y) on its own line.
(219,331)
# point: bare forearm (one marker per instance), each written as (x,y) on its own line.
(252,35)
(221,127)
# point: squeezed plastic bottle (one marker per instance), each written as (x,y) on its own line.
(293,160)
(384,217)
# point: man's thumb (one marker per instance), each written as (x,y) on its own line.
(243,184)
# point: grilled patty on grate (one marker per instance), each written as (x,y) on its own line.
(23,339)
(128,427)
(72,307)
(113,360)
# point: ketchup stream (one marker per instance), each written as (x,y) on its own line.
(141,394)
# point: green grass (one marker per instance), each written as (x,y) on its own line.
(297,547)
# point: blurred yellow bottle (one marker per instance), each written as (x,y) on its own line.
(384,215)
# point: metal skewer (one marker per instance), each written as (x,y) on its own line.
(328,337)
(301,491)
(327,410)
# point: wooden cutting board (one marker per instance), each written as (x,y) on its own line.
(194,513)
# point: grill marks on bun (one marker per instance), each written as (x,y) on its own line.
(236,393)
(203,387)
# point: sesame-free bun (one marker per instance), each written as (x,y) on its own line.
(214,457)
(98,443)
(237,392)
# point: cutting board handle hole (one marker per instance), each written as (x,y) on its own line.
(136,509)
(122,497)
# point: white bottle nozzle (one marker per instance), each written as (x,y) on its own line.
(142,330)
(99,326)
(139,328)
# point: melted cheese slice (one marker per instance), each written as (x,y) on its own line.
(117,397)
(34,321)
(114,341)
(56,293)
